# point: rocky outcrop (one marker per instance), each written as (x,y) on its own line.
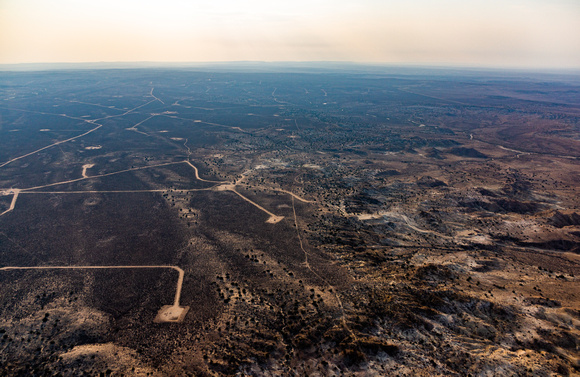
(560,220)
(466,152)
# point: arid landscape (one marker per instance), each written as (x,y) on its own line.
(361,222)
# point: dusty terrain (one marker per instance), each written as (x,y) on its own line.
(326,224)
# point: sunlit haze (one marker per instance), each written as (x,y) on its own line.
(513,33)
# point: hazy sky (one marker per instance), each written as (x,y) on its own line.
(502,33)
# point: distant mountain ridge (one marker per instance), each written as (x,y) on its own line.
(300,67)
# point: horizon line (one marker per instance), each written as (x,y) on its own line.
(29,66)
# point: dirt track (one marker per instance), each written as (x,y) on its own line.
(179,270)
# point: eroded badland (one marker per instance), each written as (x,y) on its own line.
(324,224)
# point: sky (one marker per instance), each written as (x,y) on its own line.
(473,33)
